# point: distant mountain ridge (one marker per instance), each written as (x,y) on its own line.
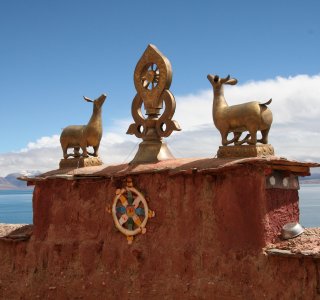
(313,178)
(10,182)
(5,184)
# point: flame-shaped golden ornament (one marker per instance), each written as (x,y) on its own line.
(152,80)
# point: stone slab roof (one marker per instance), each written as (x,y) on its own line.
(176,166)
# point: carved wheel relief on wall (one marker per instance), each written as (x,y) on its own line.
(130,211)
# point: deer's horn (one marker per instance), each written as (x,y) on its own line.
(224,80)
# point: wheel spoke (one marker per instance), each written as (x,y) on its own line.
(130,224)
(145,84)
(121,210)
(123,200)
(130,197)
(136,219)
(140,211)
(123,219)
(136,201)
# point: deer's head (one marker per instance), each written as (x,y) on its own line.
(97,103)
(217,82)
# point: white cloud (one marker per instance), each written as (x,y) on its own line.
(44,142)
(45,154)
(295,132)
(293,99)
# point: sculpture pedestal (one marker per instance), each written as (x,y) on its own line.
(245,151)
(152,152)
(79,162)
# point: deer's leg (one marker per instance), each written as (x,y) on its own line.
(224,138)
(76,151)
(64,150)
(84,150)
(225,141)
(236,137)
(245,140)
(253,138)
(65,153)
(95,152)
(264,133)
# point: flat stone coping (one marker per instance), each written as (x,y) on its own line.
(178,166)
(305,245)
(15,232)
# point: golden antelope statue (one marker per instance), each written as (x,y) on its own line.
(83,136)
(250,116)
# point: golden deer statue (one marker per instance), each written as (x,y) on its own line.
(250,116)
(83,136)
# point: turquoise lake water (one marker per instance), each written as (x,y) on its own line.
(309,196)
(16,206)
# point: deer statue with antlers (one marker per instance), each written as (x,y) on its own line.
(250,116)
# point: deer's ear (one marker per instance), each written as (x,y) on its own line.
(87,99)
(232,81)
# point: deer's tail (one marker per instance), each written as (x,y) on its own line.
(266,103)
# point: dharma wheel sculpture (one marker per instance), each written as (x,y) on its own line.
(130,211)
(152,80)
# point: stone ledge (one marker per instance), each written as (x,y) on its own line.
(80,162)
(19,232)
(243,151)
(178,166)
(305,245)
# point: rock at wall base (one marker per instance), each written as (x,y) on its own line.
(79,162)
(261,150)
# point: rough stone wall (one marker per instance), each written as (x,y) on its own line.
(282,206)
(204,243)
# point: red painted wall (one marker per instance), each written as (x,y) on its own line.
(204,243)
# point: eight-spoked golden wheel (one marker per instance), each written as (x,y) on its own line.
(130,211)
(150,76)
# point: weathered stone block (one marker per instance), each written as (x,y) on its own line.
(80,162)
(245,151)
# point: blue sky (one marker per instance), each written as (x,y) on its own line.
(54,52)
